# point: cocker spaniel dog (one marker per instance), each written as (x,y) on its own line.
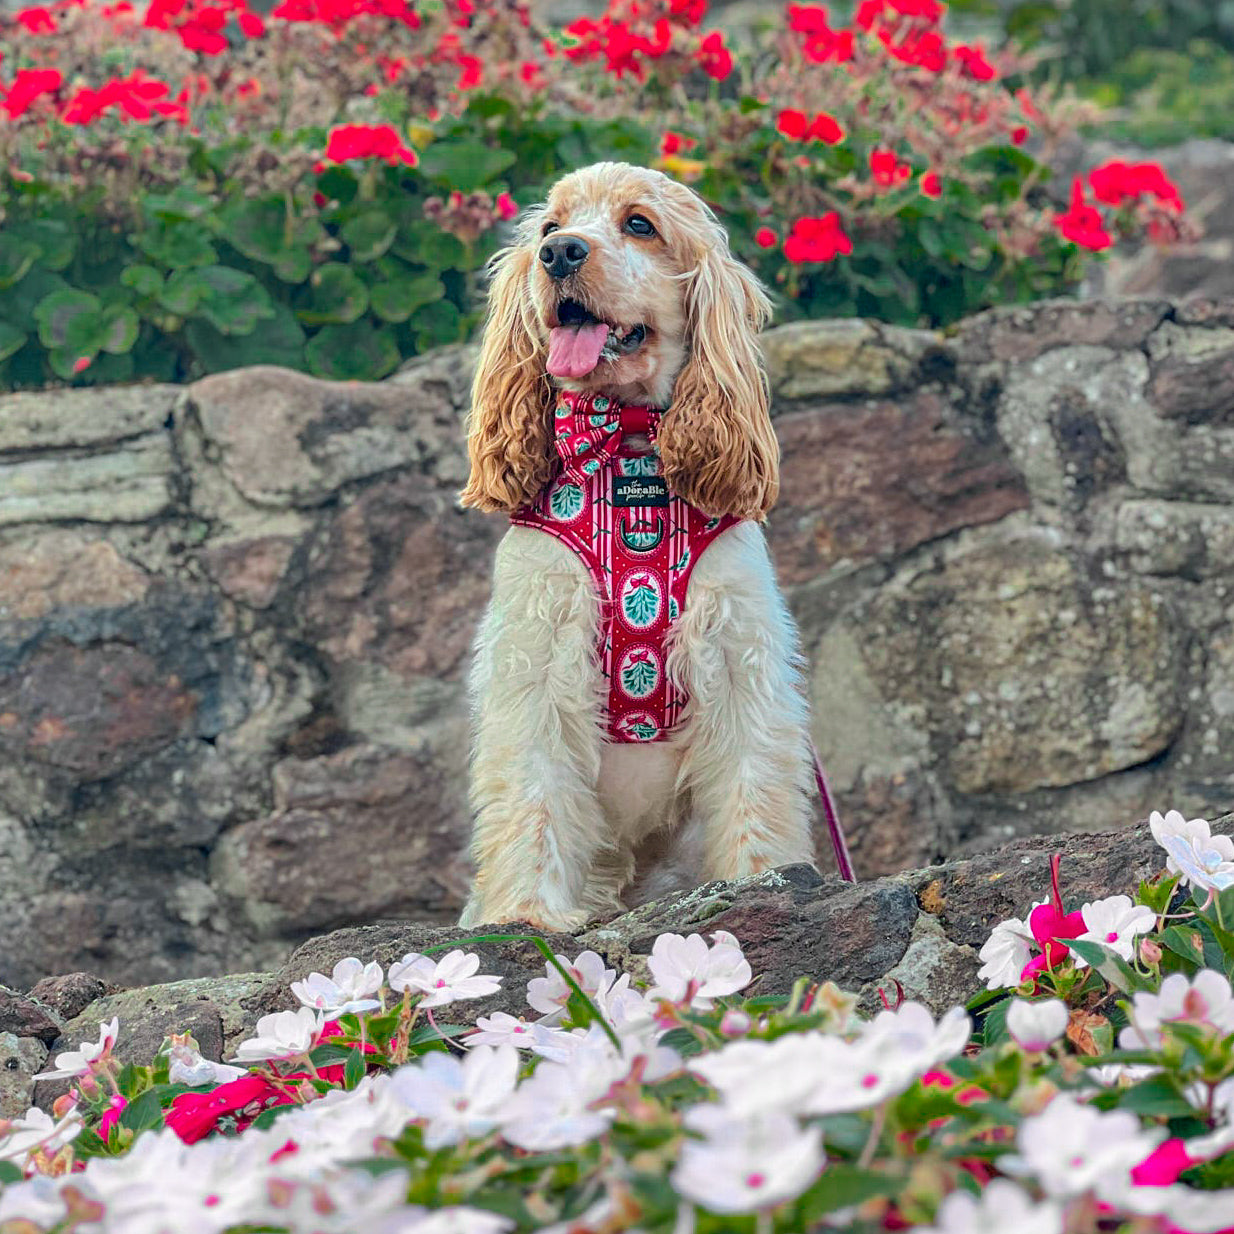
(640,722)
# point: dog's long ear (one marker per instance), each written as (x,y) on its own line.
(509,431)
(717,447)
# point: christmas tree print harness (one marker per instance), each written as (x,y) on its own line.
(639,542)
(610,505)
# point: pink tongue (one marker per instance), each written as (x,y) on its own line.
(573,351)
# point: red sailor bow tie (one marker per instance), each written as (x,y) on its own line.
(588,430)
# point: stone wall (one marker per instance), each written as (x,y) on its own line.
(234,621)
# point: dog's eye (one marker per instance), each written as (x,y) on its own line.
(544,231)
(637,225)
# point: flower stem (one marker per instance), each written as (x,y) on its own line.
(876,1133)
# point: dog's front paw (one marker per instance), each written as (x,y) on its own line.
(552,922)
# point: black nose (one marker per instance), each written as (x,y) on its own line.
(562,255)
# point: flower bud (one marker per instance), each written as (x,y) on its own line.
(88,1086)
(1150,952)
(736,1023)
(60,1107)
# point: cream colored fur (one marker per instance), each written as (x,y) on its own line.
(568,826)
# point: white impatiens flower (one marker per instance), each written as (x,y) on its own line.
(742,1164)
(185,1065)
(459,1098)
(36,1129)
(687,969)
(1070,1147)
(762,1077)
(1037,1025)
(1002,1206)
(282,1034)
(443,981)
(1114,923)
(74,1063)
(550,994)
(348,989)
(501,1028)
(1004,954)
(1196,831)
(1205,999)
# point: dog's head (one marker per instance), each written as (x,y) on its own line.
(622,282)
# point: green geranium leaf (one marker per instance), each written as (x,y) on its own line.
(339,296)
(436,324)
(232,301)
(144,280)
(16,258)
(423,242)
(262,230)
(176,244)
(279,341)
(120,327)
(355,352)
(53,238)
(369,235)
(70,320)
(11,339)
(464,165)
(397,299)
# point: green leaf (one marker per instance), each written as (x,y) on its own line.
(1155,1097)
(12,339)
(464,165)
(423,242)
(339,296)
(120,328)
(144,280)
(436,323)
(842,1186)
(70,320)
(354,1068)
(261,229)
(176,244)
(232,301)
(53,239)
(16,258)
(1112,967)
(353,352)
(1184,942)
(143,1113)
(10,1173)
(397,299)
(279,341)
(369,235)
(20,304)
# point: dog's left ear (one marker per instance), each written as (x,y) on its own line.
(717,447)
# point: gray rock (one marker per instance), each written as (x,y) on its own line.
(21,1059)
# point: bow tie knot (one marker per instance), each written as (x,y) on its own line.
(590,428)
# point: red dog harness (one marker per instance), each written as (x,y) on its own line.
(640,542)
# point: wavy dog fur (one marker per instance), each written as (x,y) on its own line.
(568,826)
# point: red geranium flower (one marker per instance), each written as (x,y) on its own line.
(796,126)
(252,25)
(1083,224)
(37,20)
(765,238)
(714,58)
(974,63)
(507,207)
(925,50)
(817,239)
(675,143)
(931,185)
(27,86)
(1117,182)
(368,141)
(887,170)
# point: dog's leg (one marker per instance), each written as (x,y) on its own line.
(537,702)
(747,761)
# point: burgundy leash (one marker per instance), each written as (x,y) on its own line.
(843,861)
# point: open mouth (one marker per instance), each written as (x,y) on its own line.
(580,340)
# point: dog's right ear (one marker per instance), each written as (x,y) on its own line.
(509,431)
